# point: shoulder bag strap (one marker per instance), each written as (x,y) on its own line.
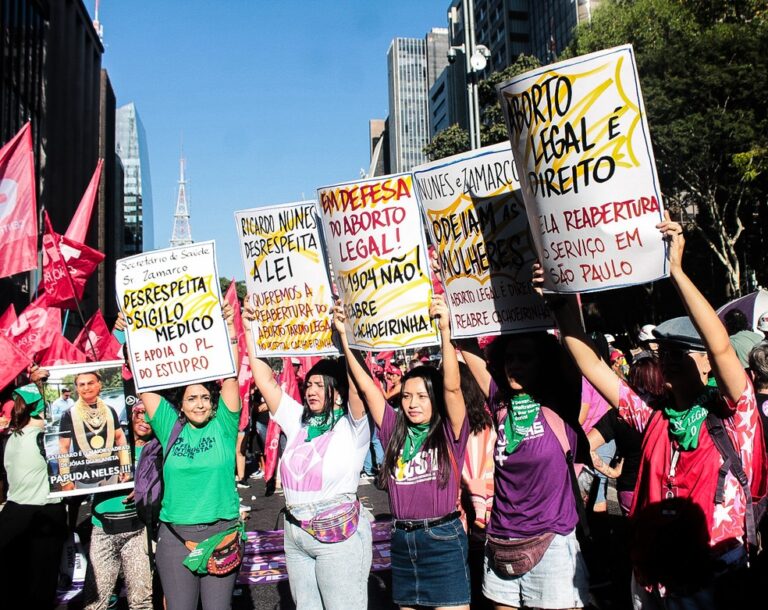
(732,463)
(558,427)
(178,426)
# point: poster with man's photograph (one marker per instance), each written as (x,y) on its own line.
(86,429)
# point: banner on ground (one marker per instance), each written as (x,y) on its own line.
(378,256)
(287,278)
(475,214)
(583,153)
(86,446)
(176,334)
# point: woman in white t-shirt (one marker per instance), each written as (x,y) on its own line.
(327,539)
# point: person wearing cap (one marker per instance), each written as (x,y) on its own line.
(33,527)
(680,465)
(91,428)
(646,340)
(327,439)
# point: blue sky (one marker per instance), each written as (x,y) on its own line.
(272,98)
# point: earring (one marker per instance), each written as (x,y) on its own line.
(339,401)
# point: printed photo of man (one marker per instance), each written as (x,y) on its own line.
(90,431)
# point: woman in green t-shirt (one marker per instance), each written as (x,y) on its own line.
(200,499)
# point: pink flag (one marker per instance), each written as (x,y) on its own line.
(18,209)
(12,361)
(35,328)
(78,226)
(67,265)
(8,317)
(60,352)
(96,342)
(244,376)
(271,445)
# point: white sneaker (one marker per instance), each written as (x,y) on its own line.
(259,474)
(244,508)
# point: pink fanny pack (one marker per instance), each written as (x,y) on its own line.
(333,524)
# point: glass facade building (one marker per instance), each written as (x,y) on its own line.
(408,106)
(131,147)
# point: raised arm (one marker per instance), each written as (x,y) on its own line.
(262,373)
(725,364)
(230,389)
(354,401)
(358,372)
(454,399)
(470,353)
(565,309)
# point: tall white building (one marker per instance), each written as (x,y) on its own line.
(131,147)
(408,106)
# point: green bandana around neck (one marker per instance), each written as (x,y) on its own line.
(520,416)
(320,424)
(684,426)
(416,435)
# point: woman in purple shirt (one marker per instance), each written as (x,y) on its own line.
(534,504)
(424,443)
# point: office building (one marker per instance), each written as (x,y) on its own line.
(131,147)
(408,108)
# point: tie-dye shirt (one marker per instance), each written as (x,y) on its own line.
(326,466)
(696,472)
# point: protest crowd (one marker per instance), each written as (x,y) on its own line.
(528,462)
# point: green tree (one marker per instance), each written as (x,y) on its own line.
(454,139)
(703,69)
(239,287)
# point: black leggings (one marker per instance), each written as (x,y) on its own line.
(182,587)
(31,540)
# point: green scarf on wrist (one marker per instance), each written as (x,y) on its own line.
(684,426)
(320,424)
(416,435)
(520,416)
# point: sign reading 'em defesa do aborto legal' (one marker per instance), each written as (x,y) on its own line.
(176,332)
(583,153)
(377,249)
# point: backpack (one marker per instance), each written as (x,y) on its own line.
(149,485)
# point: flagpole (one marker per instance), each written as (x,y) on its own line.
(66,318)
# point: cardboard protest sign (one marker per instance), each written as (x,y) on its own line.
(176,334)
(86,434)
(287,278)
(378,255)
(583,153)
(476,218)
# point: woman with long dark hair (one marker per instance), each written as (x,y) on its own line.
(200,506)
(425,443)
(327,536)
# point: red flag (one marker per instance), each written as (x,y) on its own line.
(59,352)
(78,226)
(288,381)
(96,342)
(386,356)
(18,208)
(307,362)
(8,318)
(67,265)
(12,361)
(271,445)
(35,328)
(244,376)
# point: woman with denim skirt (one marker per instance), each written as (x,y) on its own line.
(425,443)
(328,545)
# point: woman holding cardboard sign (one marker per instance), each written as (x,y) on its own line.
(424,443)
(199,543)
(327,537)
